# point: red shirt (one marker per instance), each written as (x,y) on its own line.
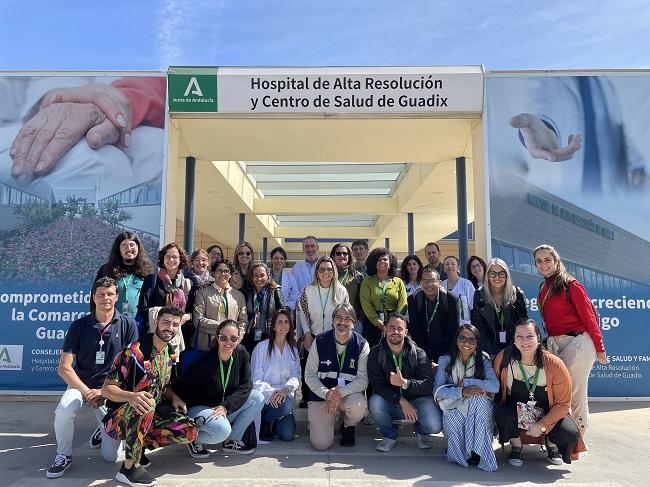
(562,316)
(147,98)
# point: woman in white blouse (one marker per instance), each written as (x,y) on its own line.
(276,374)
(460,286)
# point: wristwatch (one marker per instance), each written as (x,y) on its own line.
(406,384)
(543,429)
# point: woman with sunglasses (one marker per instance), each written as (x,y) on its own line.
(243,259)
(498,305)
(216,303)
(276,374)
(535,399)
(463,388)
(263,298)
(219,394)
(411,273)
(349,277)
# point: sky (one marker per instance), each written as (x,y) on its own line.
(155,34)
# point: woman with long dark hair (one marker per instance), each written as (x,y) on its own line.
(411,273)
(348,276)
(276,374)
(535,399)
(476,271)
(572,326)
(263,298)
(463,387)
(283,278)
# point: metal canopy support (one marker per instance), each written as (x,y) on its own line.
(411,234)
(188,224)
(461,205)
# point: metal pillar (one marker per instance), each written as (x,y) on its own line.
(411,233)
(188,223)
(265,249)
(242,227)
(387,243)
(461,205)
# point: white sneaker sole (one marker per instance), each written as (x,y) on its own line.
(238,452)
(120,477)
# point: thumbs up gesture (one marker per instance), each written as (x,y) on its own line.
(396,378)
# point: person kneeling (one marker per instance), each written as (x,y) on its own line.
(134,387)
(402,378)
(464,385)
(337,376)
(220,394)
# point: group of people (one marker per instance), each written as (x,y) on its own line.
(203,351)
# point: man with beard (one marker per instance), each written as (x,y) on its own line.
(91,344)
(135,386)
(432,253)
(337,377)
(402,378)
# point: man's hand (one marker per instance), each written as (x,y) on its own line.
(278,397)
(178,404)
(541,141)
(307,340)
(142,402)
(472,391)
(94,397)
(108,99)
(410,413)
(50,134)
(219,411)
(396,378)
(332,400)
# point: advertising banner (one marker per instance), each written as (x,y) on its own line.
(568,166)
(327,90)
(81,158)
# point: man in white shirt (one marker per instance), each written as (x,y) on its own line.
(303,271)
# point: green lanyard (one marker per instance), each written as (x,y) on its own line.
(323,303)
(126,287)
(382,293)
(397,361)
(530,386)
(224,382)
(341,359)
(344,278)
(224,300)
(277,277)
(426,311)
(500,316)
(161,370)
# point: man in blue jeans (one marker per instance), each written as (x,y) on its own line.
(402,378)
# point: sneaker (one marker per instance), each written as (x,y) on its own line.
(475,459)
(135,477)
(514,458)
(265,431)
(197,450)
(423,442)
(95,440)
(387,444)
(553,455)
(58,468)
(347,436)
(144,461)
(237,446)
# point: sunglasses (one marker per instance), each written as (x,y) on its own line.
(329,270)
(225,338)
(341,254)
(468,340)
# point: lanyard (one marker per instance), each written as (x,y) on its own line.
(224,382)
(341,358)
(161,371)
(426,311)
(527,380)
(277,277)
(397,360)
(500,316)
(344,278)
(324,303)
(101,334)
(126,287)
(382,293)
(224,300)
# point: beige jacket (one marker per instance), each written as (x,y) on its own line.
(210,310)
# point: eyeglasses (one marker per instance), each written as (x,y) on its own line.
(215,253)
(222,271)
(341,254)
(501,274)
(244,252)
(130,245)
(173,257)
(430,281)
(202,260)
(468,340)
(327,270)
(225,338)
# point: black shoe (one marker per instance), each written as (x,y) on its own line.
(197,450)
(514,458)
(553,455)
(265,431)
(135,477)
(95,440)
(302,404)
(144,461)
(237,446)
(347,436)
(475,459)
(58,468)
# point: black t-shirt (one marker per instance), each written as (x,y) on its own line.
(83,340)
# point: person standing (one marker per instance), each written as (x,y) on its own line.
(572,325)
(263,298)
(432,253)
(433,316)
(91,344)
(476,271)
(382,293)
(360,253)
(349,277)
(461,287)
(411,273)
(337,376)
(135,386)
(283,278)
(200,276)
(243,257)
(402,379)
(498,305)
(304,271)
(215,253)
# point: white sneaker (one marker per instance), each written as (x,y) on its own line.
(387,444)
(423,442)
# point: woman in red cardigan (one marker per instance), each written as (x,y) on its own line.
(573,330)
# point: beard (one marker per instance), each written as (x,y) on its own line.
(395,340)
(165,339)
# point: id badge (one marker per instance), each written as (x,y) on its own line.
(502,336)
(340,381)
(381,316)
(258,334)
(532,403)
(100,357)
(125,308)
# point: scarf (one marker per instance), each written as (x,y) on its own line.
(458,373)
(200,280)
(174,294)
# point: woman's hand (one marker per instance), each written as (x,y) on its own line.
(278,397)
(602,358)
(473,391)
(534,430)
(219,411)
(307,340)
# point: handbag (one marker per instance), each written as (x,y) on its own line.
(528,414)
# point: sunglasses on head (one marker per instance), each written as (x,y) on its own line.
(225,338)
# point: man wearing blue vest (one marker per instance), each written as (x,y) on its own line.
(337,376)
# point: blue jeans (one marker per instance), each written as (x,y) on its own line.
(285,422)
(384,413)
(233,426)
